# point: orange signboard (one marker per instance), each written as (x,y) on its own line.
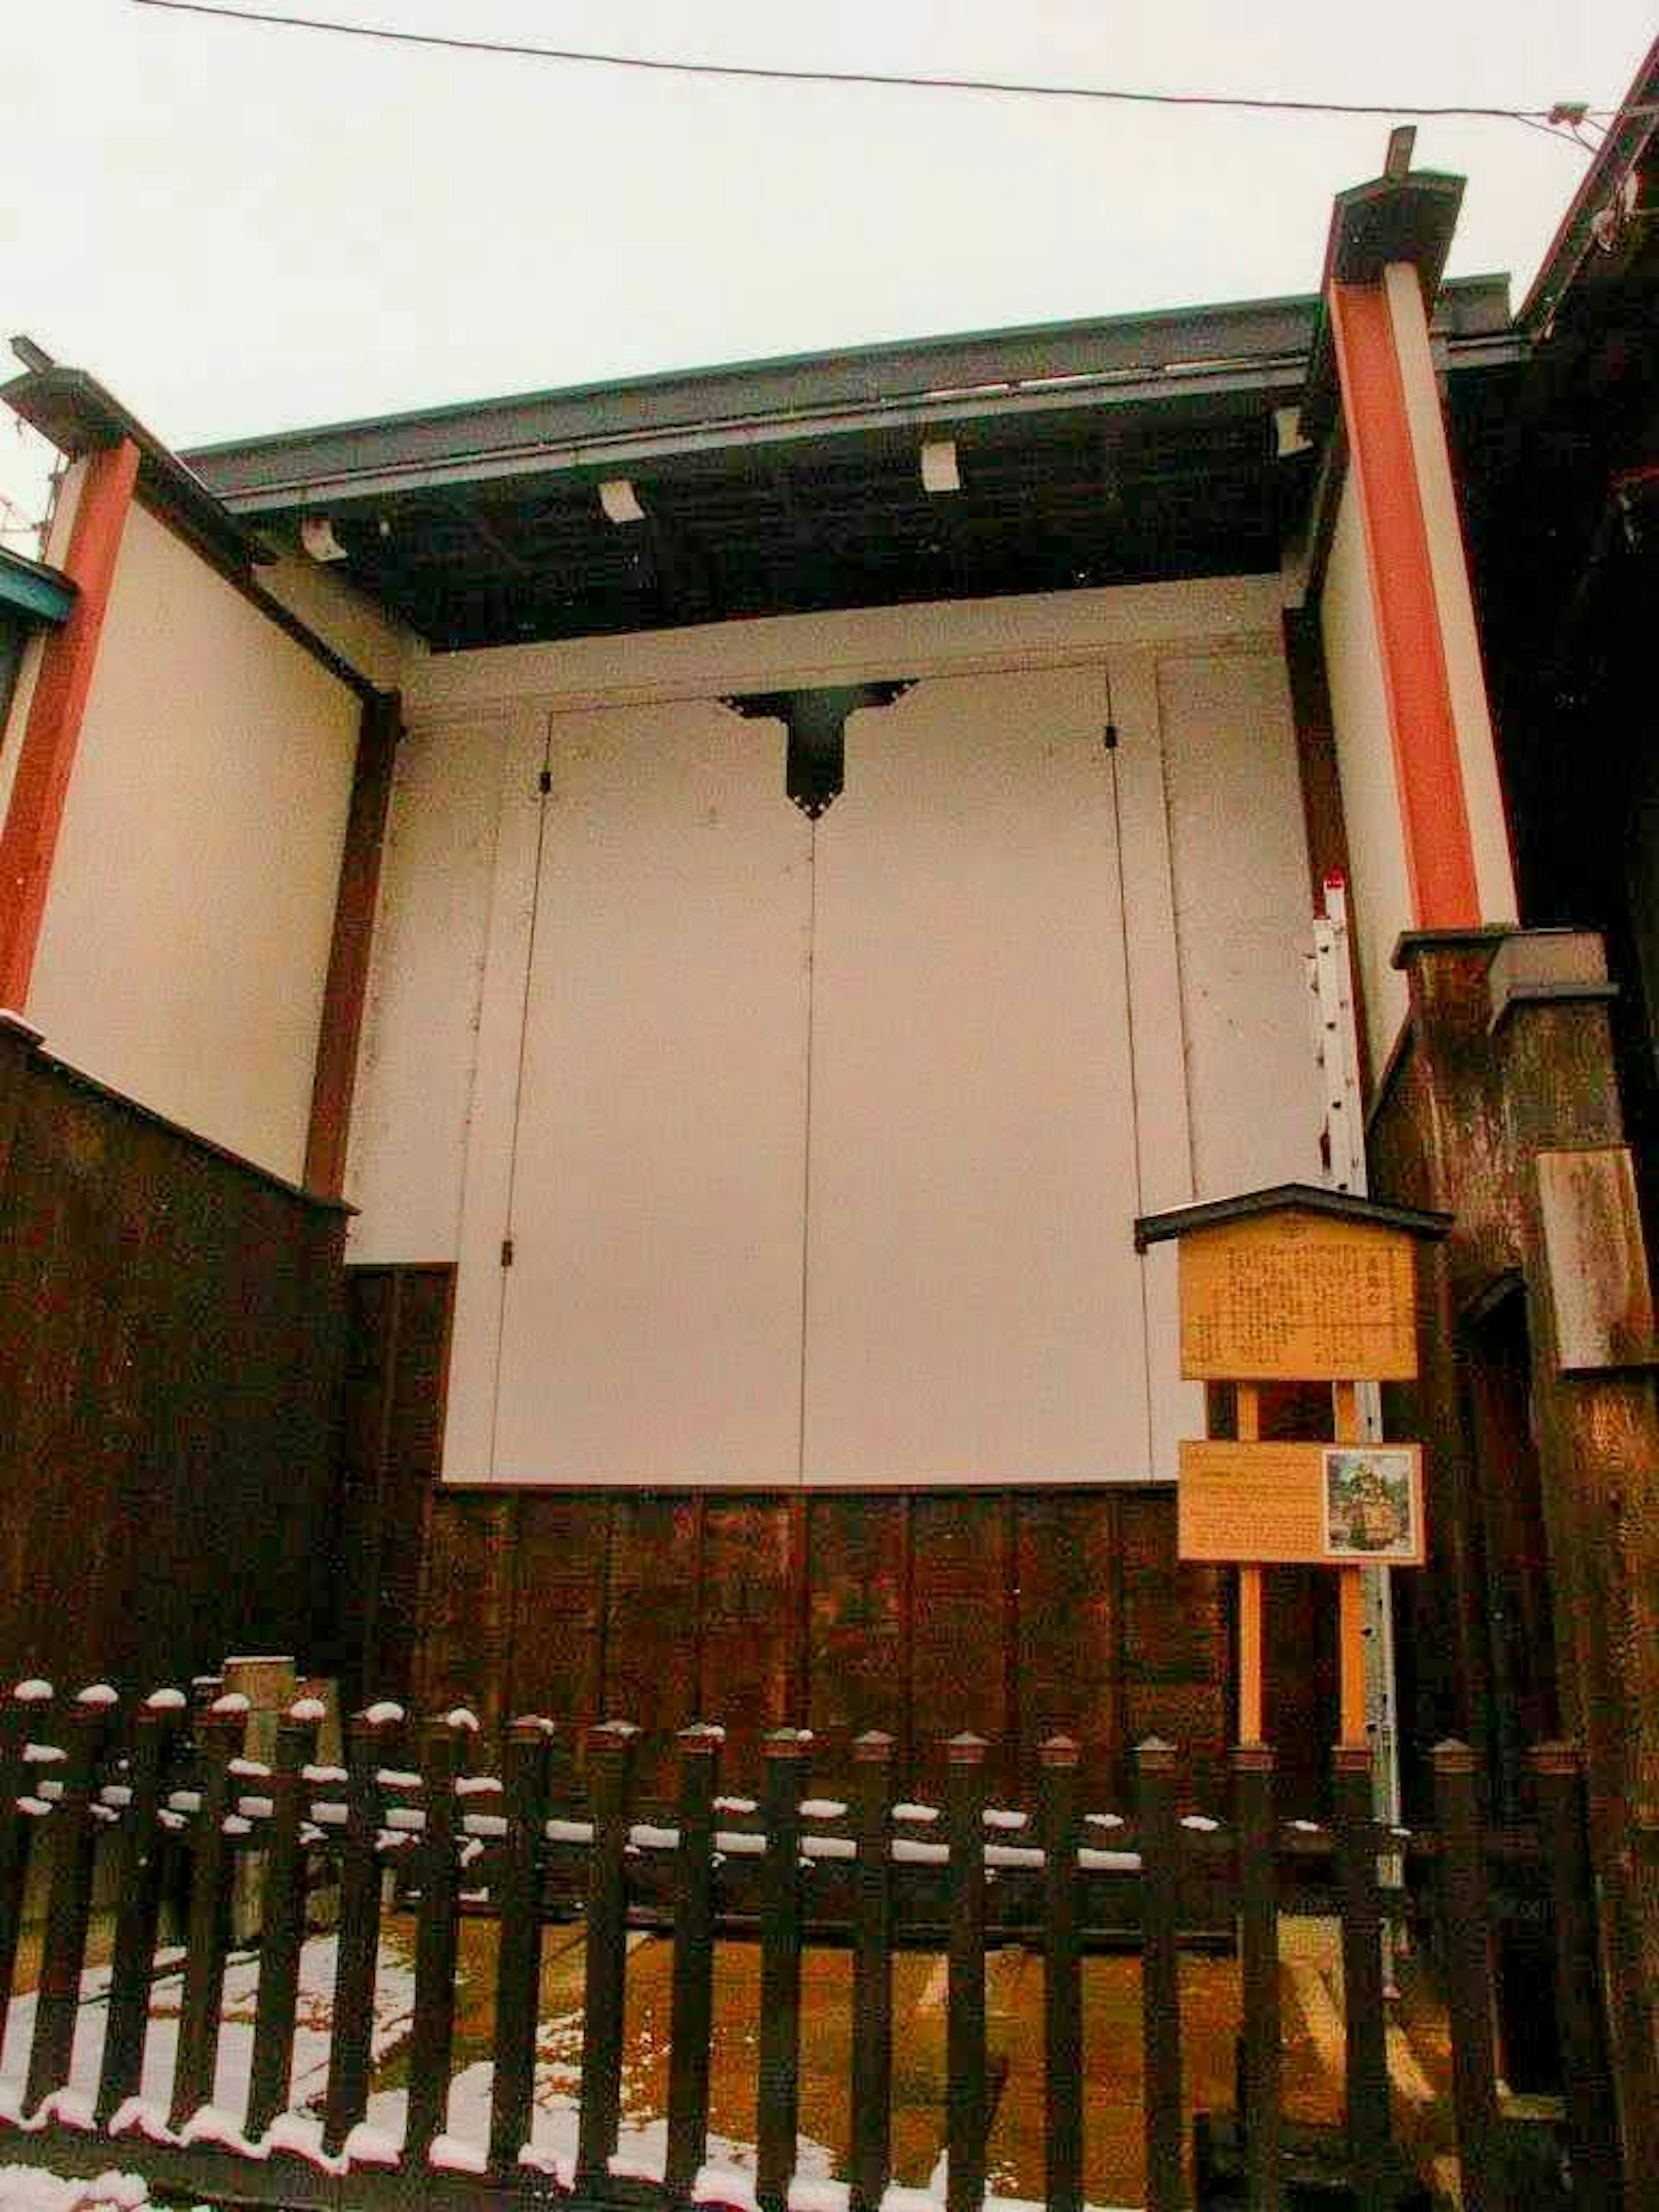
(1298,1298)
(1344,1506)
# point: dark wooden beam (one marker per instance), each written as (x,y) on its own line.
(347,986)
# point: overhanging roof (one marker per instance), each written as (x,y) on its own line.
(1116,450)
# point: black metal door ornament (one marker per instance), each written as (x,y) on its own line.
(816,720)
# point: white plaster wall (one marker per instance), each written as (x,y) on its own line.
(1382,901)
(185,940)
(329,603)
(974,1300)
(418,1052)
(1242,916)
(1000,1067)
(650,1324)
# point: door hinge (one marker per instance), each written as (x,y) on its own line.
(507,1251)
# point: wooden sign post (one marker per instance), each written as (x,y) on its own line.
(1298,1285)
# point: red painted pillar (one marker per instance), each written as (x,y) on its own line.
(1429,778)
(29,842)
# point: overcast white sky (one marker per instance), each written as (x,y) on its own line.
(240,229)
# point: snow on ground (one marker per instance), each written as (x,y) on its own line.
(30,2189)
(727,2179)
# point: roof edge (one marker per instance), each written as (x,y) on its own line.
(1617,155)
(1288,1198)
(78,415)
(34,588)
(1410,218)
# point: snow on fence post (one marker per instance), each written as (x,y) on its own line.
(432,2037)
(74,1832)
(611,1751)
(777,2119)
(282,1909)
(1258,1897)
(1592,2120)
(349,2056)
(691,2026)
(207,1927)
(1062,1982)
(873,1971)
(21,1713)
(966,2106)
(138,1907)
(1160,1985)
(517,1892)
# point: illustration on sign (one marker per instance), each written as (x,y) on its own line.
(1371,1505)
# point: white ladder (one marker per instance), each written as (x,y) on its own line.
(1336,1047)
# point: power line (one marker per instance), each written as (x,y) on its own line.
(1547,117)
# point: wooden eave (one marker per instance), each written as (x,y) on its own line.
(1113,451)
(78,415)
(34,590)
(1410,218)
(1287,1198)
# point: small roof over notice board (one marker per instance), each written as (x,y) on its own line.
(1296,1283)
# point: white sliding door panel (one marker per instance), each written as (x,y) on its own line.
(973,1301)
(651,1321)
(1242,905)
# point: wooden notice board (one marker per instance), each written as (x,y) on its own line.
(1298,1298)
(1341,1505)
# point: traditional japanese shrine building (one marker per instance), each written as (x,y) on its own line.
(747,883)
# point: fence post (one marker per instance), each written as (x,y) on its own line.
(139,1907)
(692,2024)
(351,2044)
(21,1711)
(1465,1941)
(1258,1892)
(432,2037)
(873,1971)
(206,1925)
(281,1915)
(1160,1973)
(611,1751)
(519,1946)
(1592,2121)
(965,2090)
(69,1901)
(1062,1982)
(777,2117)
(1369,2126)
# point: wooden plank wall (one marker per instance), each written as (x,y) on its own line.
(1016,1613)
(169,1331)
(396,1348)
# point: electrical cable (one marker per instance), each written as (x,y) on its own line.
(452,43)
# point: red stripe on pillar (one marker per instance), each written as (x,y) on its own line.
(1439,854)
(28,842)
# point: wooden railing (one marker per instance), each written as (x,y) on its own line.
(537,1842)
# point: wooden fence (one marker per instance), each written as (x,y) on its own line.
(561,1833)
(169,1354)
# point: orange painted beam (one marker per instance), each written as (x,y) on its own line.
(1439,852)
(29,842)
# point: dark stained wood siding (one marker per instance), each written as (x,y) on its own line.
(397,1337)
(1018,1613)
(169,1340)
